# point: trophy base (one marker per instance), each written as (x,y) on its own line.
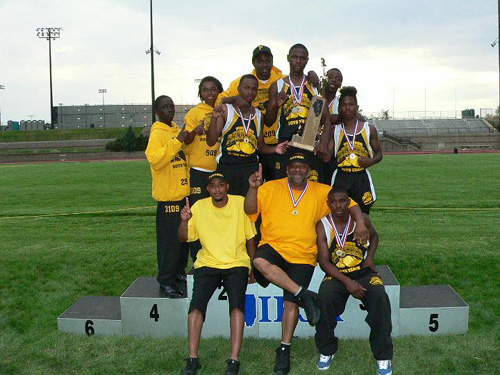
(301,146)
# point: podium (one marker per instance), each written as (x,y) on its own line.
(142,311)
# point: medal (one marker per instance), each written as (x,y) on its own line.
(297,94)
(246,140)
(340,238)
(295,203)
(349,142)
(247,125)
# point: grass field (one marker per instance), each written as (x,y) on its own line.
(74,229)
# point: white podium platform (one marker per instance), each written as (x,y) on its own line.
(143,311)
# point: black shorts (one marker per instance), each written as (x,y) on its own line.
(270,163)
(207,279)
(359,185)
(198,181)
(237,175)
(300,273)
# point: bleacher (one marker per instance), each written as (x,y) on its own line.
(434,126)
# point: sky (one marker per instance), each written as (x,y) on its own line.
(403,56)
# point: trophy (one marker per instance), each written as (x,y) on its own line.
(308,137)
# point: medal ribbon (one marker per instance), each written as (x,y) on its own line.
(351,145)
(296,202)
(297,94)
(245,126)
(340,239)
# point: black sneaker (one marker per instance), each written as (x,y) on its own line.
(233,367)
(282,365)
(307,300)
(192,366)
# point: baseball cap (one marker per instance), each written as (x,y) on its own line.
(216,175)
(298,158)
(260,49)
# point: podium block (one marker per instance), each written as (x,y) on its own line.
(92,315)
(432,310)
(146,312)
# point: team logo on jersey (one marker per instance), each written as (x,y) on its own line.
(313,176)
(375,280)
(180,156)
(367,198)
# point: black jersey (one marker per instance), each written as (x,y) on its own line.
(349,257)
(292,115)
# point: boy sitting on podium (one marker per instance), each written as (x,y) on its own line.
(227,238)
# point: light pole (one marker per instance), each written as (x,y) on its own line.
(50,33)
(2,87)
(103,91)
(151,51)
(61,114)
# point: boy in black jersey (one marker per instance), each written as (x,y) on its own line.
(239,126)
(350,270)
(290,99)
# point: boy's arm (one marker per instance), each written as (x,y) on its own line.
(219,116)
(160,154)
(361,233)
(377,150)
(186,214)
(372,248)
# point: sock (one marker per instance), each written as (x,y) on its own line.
(296,294)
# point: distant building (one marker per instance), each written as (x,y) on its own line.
(99,116)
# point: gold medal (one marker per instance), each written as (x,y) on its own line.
(352,156)
(246,140)
(295,212)
(340,253)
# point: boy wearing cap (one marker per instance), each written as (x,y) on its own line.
(226,235)
(267,74)
(290,208)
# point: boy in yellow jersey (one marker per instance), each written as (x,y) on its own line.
(200,156)
(289,100)
(267,74)
(227,236)
(350,271)
(290,208)
(240,129)
(356,148)
(167,159)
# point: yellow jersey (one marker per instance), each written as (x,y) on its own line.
(223,233)
(199,155)
(167,161)
(260,101)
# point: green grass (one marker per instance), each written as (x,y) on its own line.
(74,229)
(63,134)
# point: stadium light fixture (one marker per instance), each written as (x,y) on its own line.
(50,33)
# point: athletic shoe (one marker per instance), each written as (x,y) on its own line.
(384,367)
(282,365)
(324,361)
(192,366)
(233,367)
(307,300)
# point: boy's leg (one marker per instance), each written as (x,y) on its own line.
(332,298)
(378,307)
(206,281)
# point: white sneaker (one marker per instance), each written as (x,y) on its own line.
(324,361)
(384,367)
